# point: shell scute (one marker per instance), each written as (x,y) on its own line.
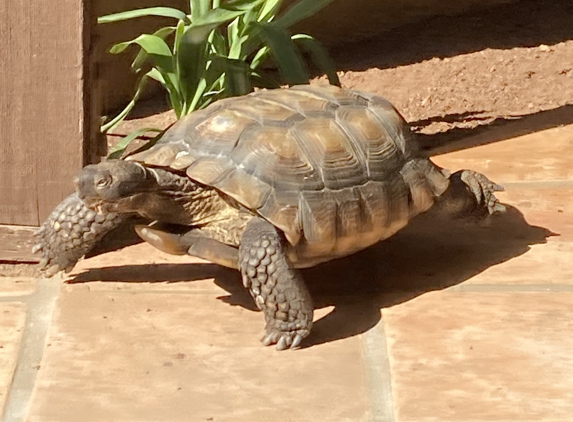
(328,147)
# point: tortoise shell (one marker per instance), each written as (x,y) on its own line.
(336,170)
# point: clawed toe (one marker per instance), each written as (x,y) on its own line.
(484,191)
(283,341)
(494,205)
(52,271)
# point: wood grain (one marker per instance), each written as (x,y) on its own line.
(43,117)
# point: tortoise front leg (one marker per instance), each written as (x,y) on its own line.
(71,231)
(276,287)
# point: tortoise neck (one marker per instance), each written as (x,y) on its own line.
(169,181)
(179,200)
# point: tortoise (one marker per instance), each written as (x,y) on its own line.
(267,183)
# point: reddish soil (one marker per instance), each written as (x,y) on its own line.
(465,71)
(456,75)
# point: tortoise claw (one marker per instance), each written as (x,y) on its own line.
(269,339)
(483,190)
(52,271)
(283,341)
(296,342)
(496,207)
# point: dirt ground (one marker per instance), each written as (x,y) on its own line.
(455,75)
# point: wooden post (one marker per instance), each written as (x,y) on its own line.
(45,114)
(47,123)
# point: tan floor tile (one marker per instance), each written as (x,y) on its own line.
(125,356)
(482,357)
(545,155)
(16,286)
(554,200)
(545,263)
(548,207)
(12,320)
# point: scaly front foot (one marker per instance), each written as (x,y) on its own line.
(276,287)
(69,232)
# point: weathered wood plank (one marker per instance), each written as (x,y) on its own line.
(43,116)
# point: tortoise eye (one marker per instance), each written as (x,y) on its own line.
(102,181)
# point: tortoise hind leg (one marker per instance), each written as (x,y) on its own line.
(274,284)
(194,243)
(469,193)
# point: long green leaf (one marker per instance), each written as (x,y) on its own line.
(193,50)
(122,115)
(289,60)
(178,34)
(300,10)
(199,92)
(319,55)
(191,61)
(142,55)
(199,8)
(269,10)
(217,17)
(121,146)
(154,46)
(156,75)
(233,38)
(167,12)
(161,57)
(260,57)
(172,91)
(242,5)
(237,75)
(218,43)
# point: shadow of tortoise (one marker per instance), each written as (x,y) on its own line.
(431,253)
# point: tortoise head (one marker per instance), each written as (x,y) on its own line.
(112,181)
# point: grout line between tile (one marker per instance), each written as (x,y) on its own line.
(497,288)
(157,292)
(557,183)
(38,318)
(375,350)
(16,298)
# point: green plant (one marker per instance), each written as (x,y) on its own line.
(218,49)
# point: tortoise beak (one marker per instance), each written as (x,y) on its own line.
(86,187)
(84,183)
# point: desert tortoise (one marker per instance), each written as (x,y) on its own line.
(267,183)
